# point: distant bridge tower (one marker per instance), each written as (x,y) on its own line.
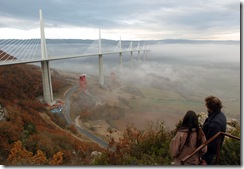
(120,55)
(144,53)
(100,58)
(131,55)
(139,56)
(46,74)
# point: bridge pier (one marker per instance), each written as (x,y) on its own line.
(47,83)
(120,56)
(144,56)
(139,57)
(120,61)
(100,60)
(101,76)
(131,59)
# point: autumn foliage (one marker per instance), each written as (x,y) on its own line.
(25,137)
(139,147)
(20,156)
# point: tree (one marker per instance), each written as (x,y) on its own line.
(40,158)
(57,159)
(139,147)
(19,155)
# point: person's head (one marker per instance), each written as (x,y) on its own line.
(213,104)
(190,120)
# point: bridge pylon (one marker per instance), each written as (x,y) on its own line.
(120,56)
(46,74)
(100,60)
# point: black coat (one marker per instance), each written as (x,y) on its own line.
(215,122)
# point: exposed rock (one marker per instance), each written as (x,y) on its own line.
(95,154)
(3,113)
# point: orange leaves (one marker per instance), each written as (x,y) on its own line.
(40,158)
(141,147)
(20,156)
(57,159)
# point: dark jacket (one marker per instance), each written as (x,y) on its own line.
(215,122)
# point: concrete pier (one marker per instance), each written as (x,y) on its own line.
(47,83)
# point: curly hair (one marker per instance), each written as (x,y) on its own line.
(213,103)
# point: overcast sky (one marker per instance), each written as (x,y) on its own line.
(130,19)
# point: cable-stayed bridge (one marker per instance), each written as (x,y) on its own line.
(20,51)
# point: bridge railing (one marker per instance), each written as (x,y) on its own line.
(218,136)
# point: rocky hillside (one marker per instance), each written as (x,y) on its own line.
(24,130)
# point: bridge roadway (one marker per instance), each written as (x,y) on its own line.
(53,58)
(70,121)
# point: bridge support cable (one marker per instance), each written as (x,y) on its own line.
(36,45)
(9,49)
(22,49)
(19,51)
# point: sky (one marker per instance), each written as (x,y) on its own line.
(128,19)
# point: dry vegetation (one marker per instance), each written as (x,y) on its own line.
(27,126)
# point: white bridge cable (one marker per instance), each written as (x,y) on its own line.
(32,53)
(8,47)
(6,41)
(116,48)
(26,50)
(92,48)
(22,52)
(37,48)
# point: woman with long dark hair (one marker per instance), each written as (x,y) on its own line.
(187,139)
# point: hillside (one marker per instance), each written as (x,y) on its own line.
(27,120)
(131,118)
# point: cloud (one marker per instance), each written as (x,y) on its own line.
(198,19)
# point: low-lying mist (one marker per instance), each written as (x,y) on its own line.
(193,70)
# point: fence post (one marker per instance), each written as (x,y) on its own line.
(218,149)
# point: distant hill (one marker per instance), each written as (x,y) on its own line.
(135,42)
(197,41)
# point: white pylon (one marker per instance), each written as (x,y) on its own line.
(99,43)
(43,41)
(100,58)
(46,73)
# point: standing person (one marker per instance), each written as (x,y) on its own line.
(187,139)
(215,122)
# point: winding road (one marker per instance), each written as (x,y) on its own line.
(70,121)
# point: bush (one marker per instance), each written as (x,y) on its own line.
(139,147)
(230,151)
